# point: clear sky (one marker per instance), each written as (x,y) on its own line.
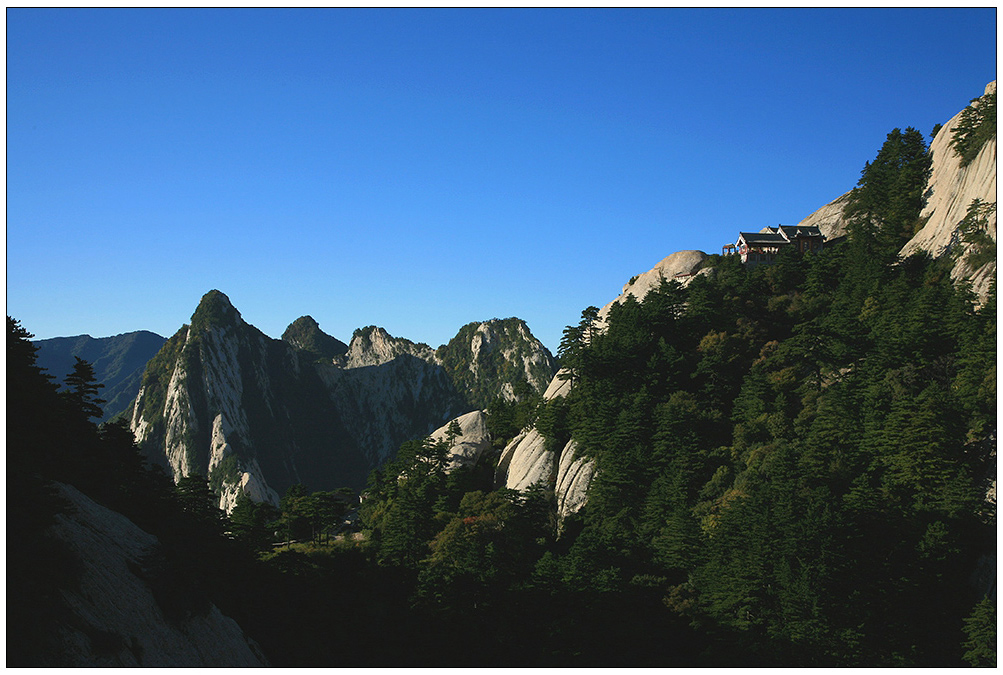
(422,169)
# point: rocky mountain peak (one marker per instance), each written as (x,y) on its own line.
(215,309)
(223,400)
(374,346)
(304,335)
(497,357)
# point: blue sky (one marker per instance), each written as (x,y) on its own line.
(420,170)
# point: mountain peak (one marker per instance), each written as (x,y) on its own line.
(215,309)
(373,346)
(497,357)
(305,322)
(304,334)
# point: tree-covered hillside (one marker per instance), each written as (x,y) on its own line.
(800,455)
(793,456)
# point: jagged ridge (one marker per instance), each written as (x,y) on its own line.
(255,414)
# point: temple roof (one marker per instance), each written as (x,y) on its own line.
(763,238)
(792,231)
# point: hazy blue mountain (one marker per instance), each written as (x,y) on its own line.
(118,362)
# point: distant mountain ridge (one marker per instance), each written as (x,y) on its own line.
(118,363)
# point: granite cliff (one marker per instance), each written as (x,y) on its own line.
(256,415)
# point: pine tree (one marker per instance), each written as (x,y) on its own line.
(884,207)
(82,389)
(980,634)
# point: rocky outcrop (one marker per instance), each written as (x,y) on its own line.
(559,386)
(829,219)
(681,266)
(574,474)
(373,346)
(223,400)
(950,192)
(473,441)
(114,618)
(388,391)
(496,358)
(525,461)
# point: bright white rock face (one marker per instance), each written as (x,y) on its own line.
(525,462)
(374,346)
(558,386)
(829,219)
(180,422)
(950,191)
(252,483)
(681,266)
(573,477)
(472,442)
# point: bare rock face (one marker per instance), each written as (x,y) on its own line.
(255,415)
(205,397)
(829,219)
(224,401)
(950,191)
(474,439)
(388,390)
(559,386)
(574,474)
(681,266)
(374,346)
(525,461)
(115,619)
